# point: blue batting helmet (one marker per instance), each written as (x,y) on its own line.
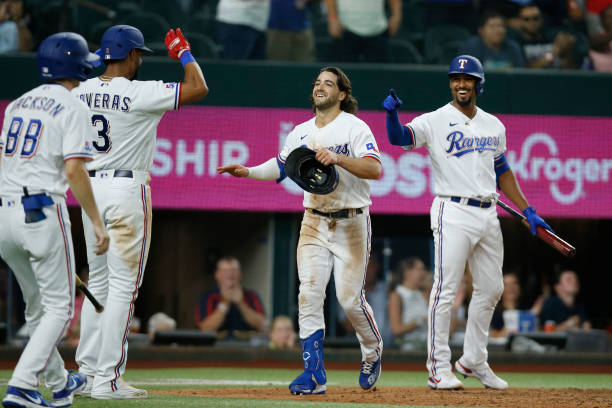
(65,55)
(466,64)
(119,40)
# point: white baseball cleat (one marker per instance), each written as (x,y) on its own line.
(445,380)
(485,375)
(119,390)
(86,391)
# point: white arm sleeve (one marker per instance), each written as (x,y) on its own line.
(265,171)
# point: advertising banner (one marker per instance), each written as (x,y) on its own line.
(563,164)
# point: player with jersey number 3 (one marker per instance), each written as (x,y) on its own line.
(125,113)
(336,228)
(466,146)
(43,148)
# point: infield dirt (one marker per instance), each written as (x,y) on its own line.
(422,396)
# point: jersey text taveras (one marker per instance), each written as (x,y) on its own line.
(125,115)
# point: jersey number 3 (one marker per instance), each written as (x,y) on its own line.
(103,144)
(30,141)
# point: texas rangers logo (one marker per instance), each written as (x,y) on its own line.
(460,145)
(462,62)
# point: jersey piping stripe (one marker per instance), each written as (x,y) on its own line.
(437,295)
(143,194)
(177,96)
(411,131)
(67,251)
(369,317)
(280,159)
(373,156)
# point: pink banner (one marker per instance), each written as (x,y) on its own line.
(563,164)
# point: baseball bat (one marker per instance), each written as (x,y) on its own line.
(79,284)
(545,235)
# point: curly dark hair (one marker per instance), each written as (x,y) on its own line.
(349,104)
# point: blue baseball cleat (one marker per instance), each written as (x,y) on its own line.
(24,398)
(76,382)
(313,379)
(369,374)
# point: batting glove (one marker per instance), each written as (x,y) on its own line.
(392,102)
(176,43)
(535,220)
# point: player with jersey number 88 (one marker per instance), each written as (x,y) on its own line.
(466,146)
(125,112)
(44,143)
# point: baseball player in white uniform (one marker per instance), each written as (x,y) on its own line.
(43,148)
(466,146)
(336,228)
(125,114)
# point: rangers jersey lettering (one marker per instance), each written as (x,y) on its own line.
(346,135)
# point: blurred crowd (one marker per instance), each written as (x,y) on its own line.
(563,34)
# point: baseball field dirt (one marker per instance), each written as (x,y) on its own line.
(422,396)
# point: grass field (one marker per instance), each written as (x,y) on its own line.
(196,378)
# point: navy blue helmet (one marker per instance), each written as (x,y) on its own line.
(466,64)
(119,40)
(65,55)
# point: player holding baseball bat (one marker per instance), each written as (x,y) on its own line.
(466,146)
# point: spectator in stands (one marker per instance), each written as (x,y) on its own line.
(376,293)
(408,308)
(360,28)
(512,314)
(541,49)
(290,35)
(241,28)
(230,310)
(601,43)
(282,334)
(9,32)
(594,17)
(159,322)
(562,308)
(491,46)
(460,12)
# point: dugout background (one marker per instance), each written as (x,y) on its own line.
(186,243)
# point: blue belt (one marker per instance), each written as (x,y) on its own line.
(473,202)
(117,173)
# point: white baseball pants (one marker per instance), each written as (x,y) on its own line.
(114,277)
(42,258)
(463,234)
(342,245)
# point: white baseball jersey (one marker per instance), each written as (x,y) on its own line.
(42,129)
(346,135)
(126,114)
(462,150)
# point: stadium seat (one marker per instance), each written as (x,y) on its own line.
(443,41)
(404,52)
(324,47)
(202,46)
(202,24)
(153,26)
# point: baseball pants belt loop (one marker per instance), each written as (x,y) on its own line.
(471,201)
(346,213)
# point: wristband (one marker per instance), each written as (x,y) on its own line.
(222,306)
(186,58)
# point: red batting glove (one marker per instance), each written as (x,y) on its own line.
(176,43)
